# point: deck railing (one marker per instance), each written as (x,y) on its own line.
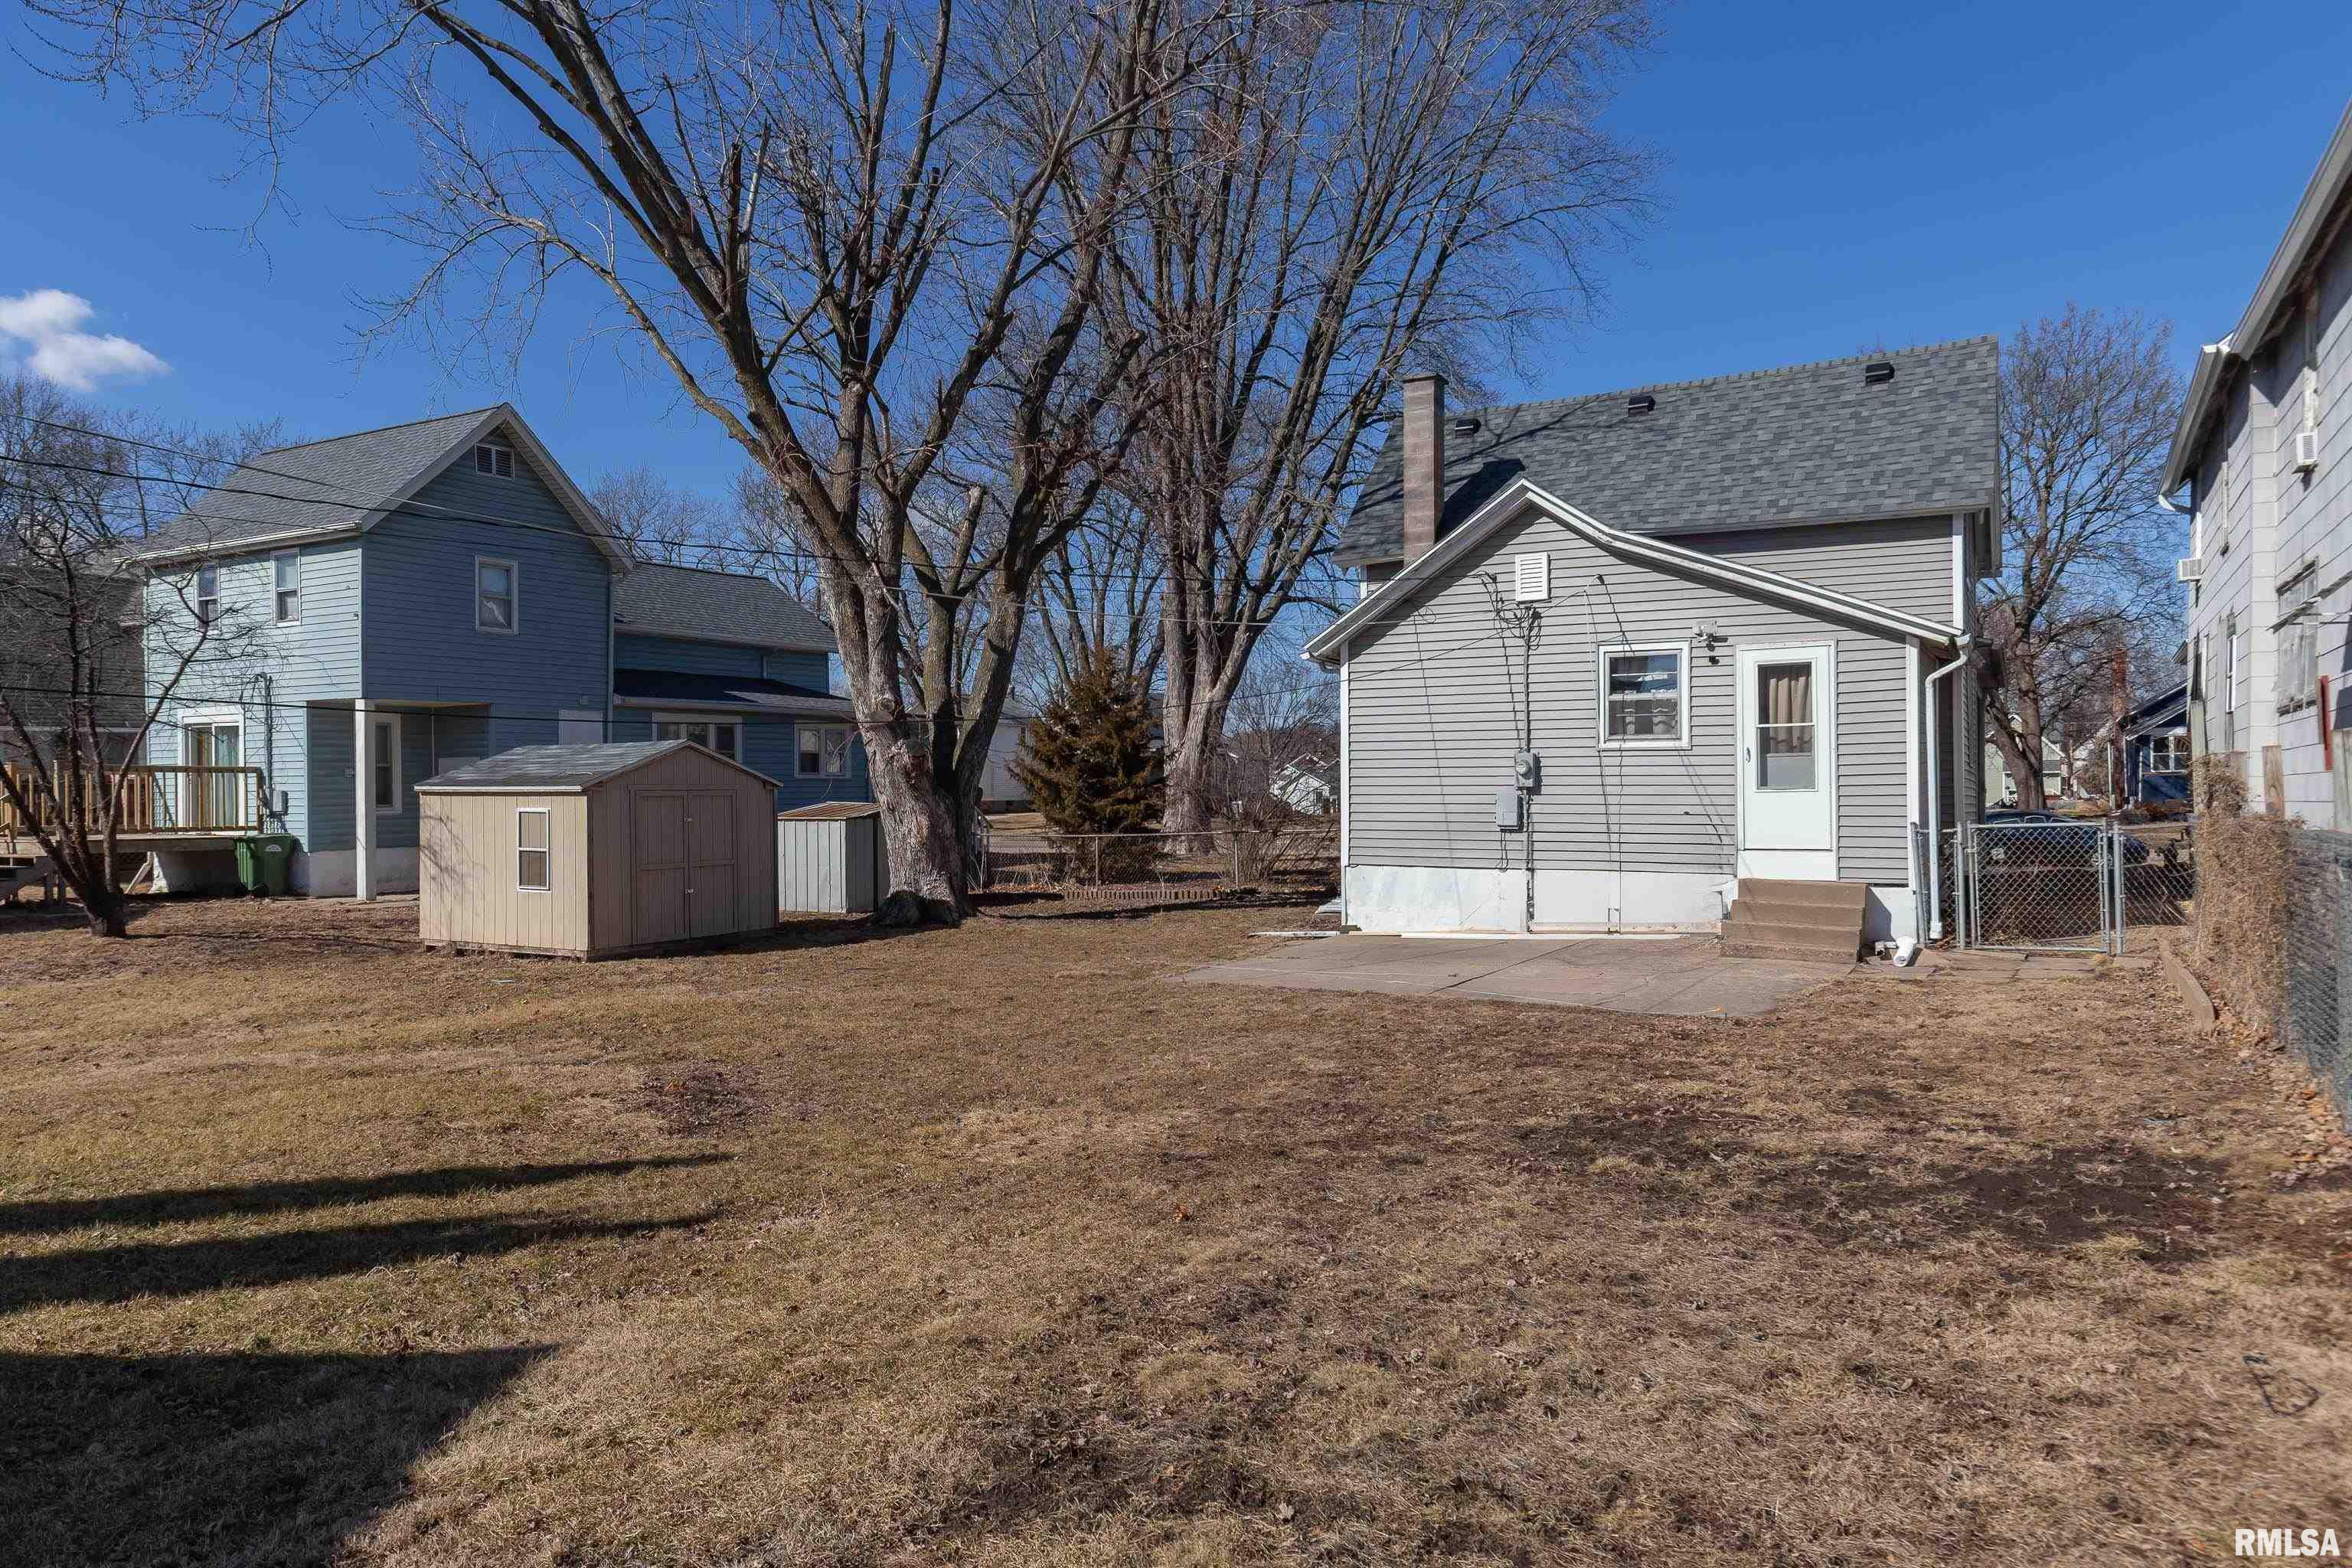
(156,798)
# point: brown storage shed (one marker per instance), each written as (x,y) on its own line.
(589,851)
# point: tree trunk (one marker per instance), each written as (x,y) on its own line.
(920,835)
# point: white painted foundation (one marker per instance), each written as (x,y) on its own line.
(331,873)
(1398,900)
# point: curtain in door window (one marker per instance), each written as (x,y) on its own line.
(1784,726)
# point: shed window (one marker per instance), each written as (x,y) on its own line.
(494,460)
(207,595)
(531,849)
(494,595)
(825,751)
(724,736)
(287,566)
(1644,698)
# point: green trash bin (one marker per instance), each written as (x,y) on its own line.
(263,862)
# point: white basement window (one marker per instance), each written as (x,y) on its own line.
(825,751)
(1645,697)
(287,568)
(495,593)
(495,461)
(531,849)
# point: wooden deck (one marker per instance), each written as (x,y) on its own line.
(162,805)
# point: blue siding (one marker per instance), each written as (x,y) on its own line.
(772,746)
(421,644)
(277,670)
(331,824)
(633,651)
(814,670)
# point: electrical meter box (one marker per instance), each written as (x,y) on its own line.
(1507,810)
(1527,770)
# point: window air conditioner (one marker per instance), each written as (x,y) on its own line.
(2192,569)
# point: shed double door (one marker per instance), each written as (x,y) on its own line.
(683,882)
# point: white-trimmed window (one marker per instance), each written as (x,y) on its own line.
(724,736)
(493,461)
(531,846)
(207,595)
(383,764)
(1646,695)
(286,574)
(498,592)
(824,751)
(2168,754)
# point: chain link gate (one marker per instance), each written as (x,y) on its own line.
(2063,887)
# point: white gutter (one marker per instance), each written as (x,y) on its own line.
(1935,808)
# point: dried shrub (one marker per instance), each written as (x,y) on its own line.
(2242,860)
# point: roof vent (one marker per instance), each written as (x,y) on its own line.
(1641,403)
(1877,372)
(1465,426)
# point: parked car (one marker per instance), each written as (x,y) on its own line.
(2044,839)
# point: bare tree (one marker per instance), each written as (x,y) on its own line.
(92,651)
(2088,404)
(842,226)
(1352,190)
(659,520)
(1099,597)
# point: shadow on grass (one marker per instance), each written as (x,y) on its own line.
(276,1197)
(220,1459)
(188,1267)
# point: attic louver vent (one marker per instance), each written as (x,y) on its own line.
(1531,579)
(1641,404)
(1465,426)
(1877,373)
(495,461)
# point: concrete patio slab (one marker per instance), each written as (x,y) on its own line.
(1685,977)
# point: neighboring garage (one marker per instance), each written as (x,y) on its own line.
(588,851)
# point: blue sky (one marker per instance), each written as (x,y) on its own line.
(1836,175)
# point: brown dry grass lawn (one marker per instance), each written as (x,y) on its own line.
(992,1246)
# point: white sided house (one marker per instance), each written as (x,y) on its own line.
(1621,659)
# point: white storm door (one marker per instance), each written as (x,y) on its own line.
(1787,762)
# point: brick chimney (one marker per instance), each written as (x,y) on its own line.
(1424,462)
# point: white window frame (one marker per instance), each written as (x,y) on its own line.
(1601,656)
(848,744)
(2235,639)
(376,719)
(514,596)
(278,590)
(547,837)
(2173,747)
(499,455)
(204,617)
(716,721)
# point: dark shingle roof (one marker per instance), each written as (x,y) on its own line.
(1811,443)
(689,602)
(552,767)
(733,691)
(318,485)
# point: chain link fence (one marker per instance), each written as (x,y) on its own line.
(2061,885)
(2313,1012)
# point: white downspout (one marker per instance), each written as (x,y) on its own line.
(1936,807)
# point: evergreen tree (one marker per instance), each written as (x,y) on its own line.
(1089,760)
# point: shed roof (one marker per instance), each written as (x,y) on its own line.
(830,811)
(1809,442)
(564,769)
(724,606)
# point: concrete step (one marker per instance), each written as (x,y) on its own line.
(1833,937)
(1777,894)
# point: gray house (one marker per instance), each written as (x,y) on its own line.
(1624,661)
(2264,447)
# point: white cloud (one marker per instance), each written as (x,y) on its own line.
(44,325)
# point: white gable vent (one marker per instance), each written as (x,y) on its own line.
(1531,579)
(495,461)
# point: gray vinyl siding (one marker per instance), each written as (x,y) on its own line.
(276,671)
(2315,514)
(422,643)
(1432,719)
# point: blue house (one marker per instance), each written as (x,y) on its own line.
(2156,749)
(409,599)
